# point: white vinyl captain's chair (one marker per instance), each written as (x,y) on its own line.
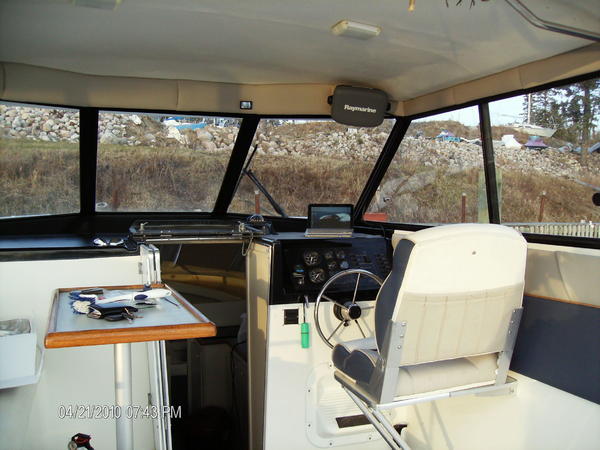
(446,320)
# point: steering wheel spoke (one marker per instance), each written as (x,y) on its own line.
(329,299)
(347,312)
(356,287)
(360,328)
(335,331)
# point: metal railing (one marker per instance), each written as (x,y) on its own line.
(579,229)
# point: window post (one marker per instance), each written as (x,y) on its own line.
(88,153)
(489,165)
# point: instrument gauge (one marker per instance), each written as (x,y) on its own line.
(341,254)
(328,254)
(317,276)
(311,258)
(332,265)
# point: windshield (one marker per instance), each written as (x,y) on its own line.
(156,162)
(294,163)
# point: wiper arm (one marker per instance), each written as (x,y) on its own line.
(265,192)
(246,171)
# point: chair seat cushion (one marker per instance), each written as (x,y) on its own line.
(451,374)
(356,360)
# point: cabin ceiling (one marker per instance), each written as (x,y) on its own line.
(288,41)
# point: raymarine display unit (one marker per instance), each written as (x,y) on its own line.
(357,106)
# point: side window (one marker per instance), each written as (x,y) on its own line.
(547,151)
(436,176)
(154,162)
(39,160)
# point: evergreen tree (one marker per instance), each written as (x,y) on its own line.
(574,110)
(545,109)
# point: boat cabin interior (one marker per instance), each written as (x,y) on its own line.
(301,225)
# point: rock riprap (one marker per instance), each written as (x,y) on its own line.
(47,124)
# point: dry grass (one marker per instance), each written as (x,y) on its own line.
(38,177)
(432,128)
(296,181)
(43,178)
(566,201)
(430,194)
(158,179)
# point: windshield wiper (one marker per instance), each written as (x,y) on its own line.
(247,172)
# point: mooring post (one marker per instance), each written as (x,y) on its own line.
(463,208)
(542,203)
(257,201)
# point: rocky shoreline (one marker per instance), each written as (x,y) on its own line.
(53,125)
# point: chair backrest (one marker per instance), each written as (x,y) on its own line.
(456,287)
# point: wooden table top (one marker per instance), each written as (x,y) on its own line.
(166,321)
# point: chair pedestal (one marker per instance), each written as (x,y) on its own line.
(374,411)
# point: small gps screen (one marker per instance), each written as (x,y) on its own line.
(330,216)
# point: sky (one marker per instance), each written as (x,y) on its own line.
(502,112)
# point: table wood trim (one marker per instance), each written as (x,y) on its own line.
(58,339)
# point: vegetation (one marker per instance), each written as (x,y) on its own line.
(565,201)
(158,179)
(43,178)
(38,177)
(435,195)
(295,181)
(570,109)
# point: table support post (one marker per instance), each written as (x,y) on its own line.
(123,390)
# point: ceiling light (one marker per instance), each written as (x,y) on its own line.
(355,29)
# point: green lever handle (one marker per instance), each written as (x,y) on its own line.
(305,335)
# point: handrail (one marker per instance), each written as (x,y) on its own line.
(585,229)
(538,22)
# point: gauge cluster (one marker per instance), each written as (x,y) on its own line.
(312,270)
(308,265)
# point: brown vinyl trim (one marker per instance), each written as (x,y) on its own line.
(554,299)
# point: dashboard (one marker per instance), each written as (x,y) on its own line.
(302,266)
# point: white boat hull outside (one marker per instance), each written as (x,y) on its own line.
(534,130)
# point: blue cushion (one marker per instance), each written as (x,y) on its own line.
(360,364)
(340,353)
(357,359)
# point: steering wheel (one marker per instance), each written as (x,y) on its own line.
(347,312)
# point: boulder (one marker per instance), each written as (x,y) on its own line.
(204,135)
(173,133)
(135,119)
(209,146)
(108,137)
(48,124)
